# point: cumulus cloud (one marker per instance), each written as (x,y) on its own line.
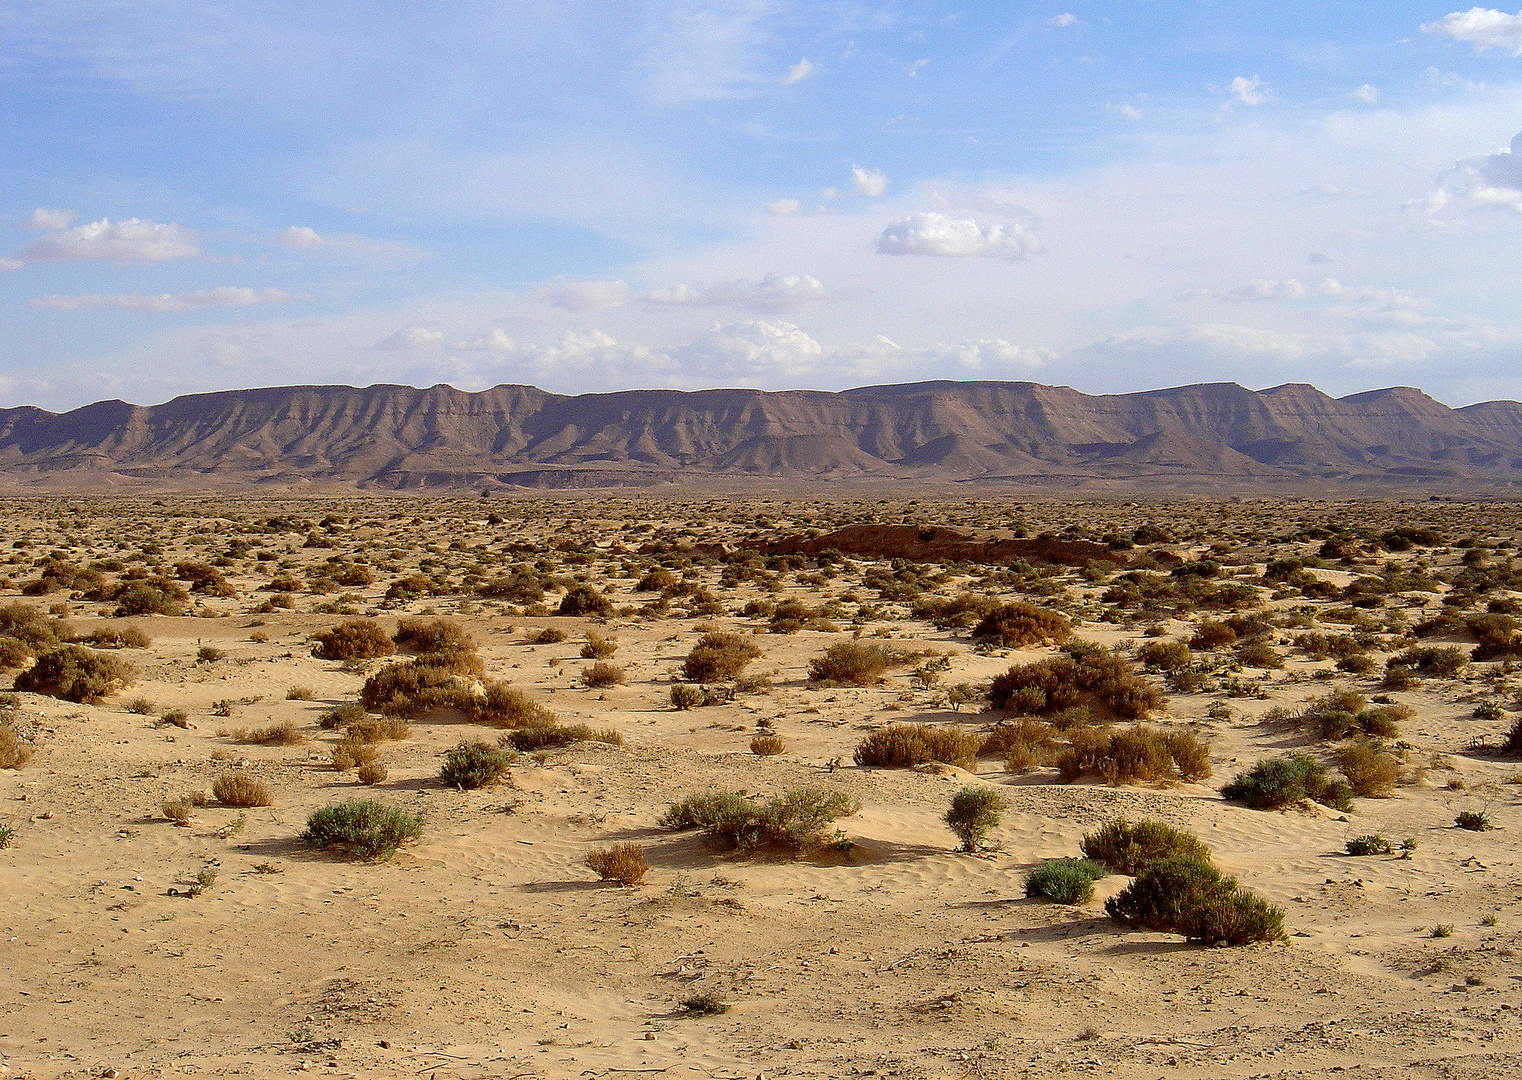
(45,219)
(868,182)
(1488,180)
(299,236)
(1245,91)
(495,341)
(1484,28)
(586,295)
(798,72)
(772,291)
(410,337)
(133,240)
(938,234)
(750,349)
(784,206)
(221,296)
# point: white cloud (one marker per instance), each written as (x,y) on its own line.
(1067,18)
(45,219)
(1261,289)
(1245,91)
(868,182)
(495,341)
(1484,28)
(410,337)
(300,236)
(1487,181)
(937,234)
(218,297)
(799,71)
(1129,111)
(772,291)
(133,240)
(704,50)
(1367,94)
(586,295)
(749,349)
(11,264)
(784,206)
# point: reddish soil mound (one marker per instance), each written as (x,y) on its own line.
(924,544)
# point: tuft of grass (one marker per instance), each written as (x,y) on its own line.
(7,835)
(362,828)
(767,745)
(623,863)
(282,733)
(1371,844)
(1066,881)
(238,789)
(707,1003)
(1474,821)
(299,692)
(602,674)
(798,819)
(14,750)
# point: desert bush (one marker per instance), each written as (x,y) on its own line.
(907,745)
(154,597)
(501,705)
(1274,783)
(551,736)
(1135,755)
(550,635)
(75,673)
(854,663)
(1259,653)
(686,696)
(112,637)
(798,819)
(1126,847)
(430,636)
(353,639)
(718,656)
(602,674)
(140,706)
(475,765)
(280,733)
(1065,881)
(14,750)
(1165,655)
(1370,769)
(374,729)
(413,688)
(1371,844)
(623,863)
(177,810)
(363,828)
(1436,661)
(1210,634)
(239,789)
(1020,623)
(704,1003)
(767,745)
(585,600)
(974,813)
(351,753)
(32,630)
(299,692)
(1088,675)
(1188,896)
(1511,745)
(372,772)
(1024,744)
(341,715)
(1474,821)
(598,647)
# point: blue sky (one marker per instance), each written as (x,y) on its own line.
(587,195)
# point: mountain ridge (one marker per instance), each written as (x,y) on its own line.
(397,437)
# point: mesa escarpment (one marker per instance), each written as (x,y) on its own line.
(1208,436)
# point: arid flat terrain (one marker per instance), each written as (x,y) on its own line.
(150,930)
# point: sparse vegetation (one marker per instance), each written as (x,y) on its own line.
(475,765)
(974,813)
(362,828)
(1189,896)
(75,673)
(240,789)
(907,745)
(854,663)
(1125,847)
(1274,783)
(798,820)
(1064,881)
(623,863)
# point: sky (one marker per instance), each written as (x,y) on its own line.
(590,195)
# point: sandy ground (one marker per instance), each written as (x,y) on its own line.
(488,949)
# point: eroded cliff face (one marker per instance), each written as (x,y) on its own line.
(403,437)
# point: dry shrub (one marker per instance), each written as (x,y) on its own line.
(686,696)
(352,639)
(433,636)
(177,810)
(374,729)
(14,750)
(1435,661)
(798,819)
(1024,743)
(623,863)
(299,692)
(598,647)
(855,663)
(414,688)
(372,772)
(352,753)
(239,789)
(907,745)
(340,716)
(1136,755)
(719,656)
(1370,769)
(767,745)
(75,673)
(25,624)
(1126,847)
(1165,655)
(584,600)
(113,637)
(602,674)
(1086,675)
(1210,634)
(475,765)
(280,733)
(1020,623)
(501,705)
(549,636)
(552,736)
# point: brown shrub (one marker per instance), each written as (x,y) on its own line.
(1165,655)
(602,674)
(623,863)
(719,656)
(767,745)
(1087,675)
(281,733)
(352,752)
(1024,744)
(177,810)
(855,663)
(14,750)
(414,688)
(428,636)
(352,639)
(598,647)
(501,705)
(1020,623)
(906,745)
(1135,755)
(1210,634)
(1370,769)
(75,673)
(550,736)
(238,789)
(372,772)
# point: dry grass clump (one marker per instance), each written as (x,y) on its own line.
(353,639)
(797,820)
(855,663)
(340,716)
(767,745)
(718,656)
(1086,675)
(1371,770)
(501,705)
(372,772)
(281,733)
(1025,744)
(116,637)
(239,789)
(550,635)
(1126,847)
(1136,755)
(907,745)
(685,696)
(428,636)
(602,674)
(177,810)
(75,673)
(598,647)
(14,750)
(553,735)
(353,753)
(1210,635)
(623,863)
(362,828)
(1189,896)
(1021,623)
(475,765)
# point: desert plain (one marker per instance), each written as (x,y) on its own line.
(148,930)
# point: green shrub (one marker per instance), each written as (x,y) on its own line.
(907,745)
(1371,844)
(155,597)
(475,765)
(363,828)
(501,705)
(1474,821)
(1126,847)
(1188,896)
(719,656)
(7,835)
(798,819)
(1086,675)
(353,639)
(341,716)
(1020,623)
(1135,755)
(974,813)
(1274,783)
(1436,661)
(75,673)
(585,600)
(1066,881)
(854,663)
